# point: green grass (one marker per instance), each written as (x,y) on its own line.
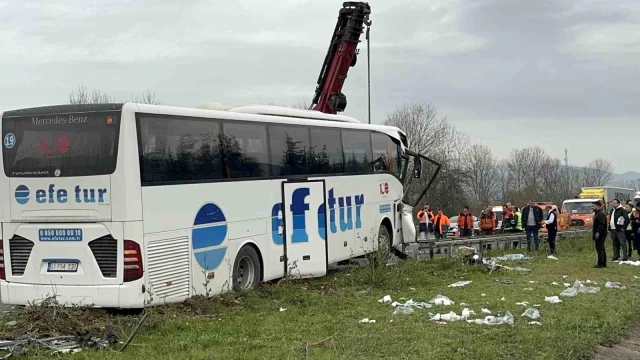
(322,316)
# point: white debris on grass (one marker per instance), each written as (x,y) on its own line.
(495,320)
(283,309)
(552,299)
(403,309)
(503,299)
(565,276)
(486,311)
(554,283)
(528,289)
(566,284)
(632,263)
(367,321)
(614,285)
(524,303)
(483,295)
(461,283)
(441,300)
(411,303)
(531,313)
(452,316)
(385,300)
(552,257)
(535,323)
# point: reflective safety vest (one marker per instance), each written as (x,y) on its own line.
(423,216)
(519,223)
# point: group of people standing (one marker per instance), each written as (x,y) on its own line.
(624,226)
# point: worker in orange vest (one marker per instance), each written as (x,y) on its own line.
(441,225)
(487,221)
(425,216)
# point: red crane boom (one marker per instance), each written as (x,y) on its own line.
(342,55)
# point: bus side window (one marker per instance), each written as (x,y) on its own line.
(244,150)
(326,151)
(290,150)
(356,147)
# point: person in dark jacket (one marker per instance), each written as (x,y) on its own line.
(617,225)
(634,219)
(532,219)
(465,222)
(599,233)
(552,228)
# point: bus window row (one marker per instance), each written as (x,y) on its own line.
(194,149)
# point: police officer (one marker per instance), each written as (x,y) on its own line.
(599,233)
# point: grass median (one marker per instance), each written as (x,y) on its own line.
(322,316)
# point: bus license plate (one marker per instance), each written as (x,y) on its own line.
(63,267)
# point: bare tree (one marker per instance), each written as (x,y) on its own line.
(598,172)
(480,174)
(84,96)
(147,97)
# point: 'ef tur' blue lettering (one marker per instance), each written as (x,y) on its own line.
(299,207)
(52,195)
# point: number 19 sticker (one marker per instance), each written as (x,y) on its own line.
(9,140)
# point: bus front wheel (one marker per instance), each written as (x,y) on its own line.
(247,270)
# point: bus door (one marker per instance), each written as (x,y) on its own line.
(305,244)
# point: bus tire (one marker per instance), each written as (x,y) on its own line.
(383,253)
(247,270)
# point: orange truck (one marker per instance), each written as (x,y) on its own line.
(579,209)
(563,219)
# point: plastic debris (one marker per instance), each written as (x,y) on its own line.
(510,257)
(367,321)
(552,257)
(536,305)
(466,313)
(554,283)
(483,294)
(283,309)
(528,289)
(531,313)
(385,300)
(461,283)
(411,303)
(535,323)
(569,292)
(412,289)
(503,299)
(565,276)
(403,309)
(532,281)
(441,300)
(486,311)
(552,299)
(632,263)
(524,303)
(580,287)
(495,320)
(452,316)
(614,285)
(566,284)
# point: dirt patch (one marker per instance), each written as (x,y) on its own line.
(627,349)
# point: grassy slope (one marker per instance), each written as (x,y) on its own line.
(322,316)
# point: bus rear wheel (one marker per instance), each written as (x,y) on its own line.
(247,270)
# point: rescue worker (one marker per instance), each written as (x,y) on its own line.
(599,233)
(487,224)
(629,230)
(634,220)
(441,225)
(507,214)
(465,222)
(532,218)
(552,227)
(617,226)
(423,217)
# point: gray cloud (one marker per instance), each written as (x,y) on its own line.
(511,73)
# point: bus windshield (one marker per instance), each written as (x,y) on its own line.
(69,144)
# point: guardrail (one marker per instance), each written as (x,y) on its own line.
(493,242)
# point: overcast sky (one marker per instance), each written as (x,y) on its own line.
(560,74)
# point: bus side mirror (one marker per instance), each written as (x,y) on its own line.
(417,167)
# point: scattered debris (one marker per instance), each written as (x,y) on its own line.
(283,309)
(495,320)
(566,284)
(59,344)
(535,323)
(579,285)
(552,257)
(554,283)
(412,289)
(503,299)
(552,299)
(511,257)
(464,304)
(483,294)
(632,263)
(531,313)
(506,281)
(532,281)
(614,285)
(367,321)
(452,316)
(528,289)
(11,324)
(385,300)
(524,303)
(486,311)
(411,303)
(569,292)
(441,300)
(461,283)
(403,309)
(564,276)
(536,305)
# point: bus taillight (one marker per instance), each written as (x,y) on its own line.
(132,261)
(3,275)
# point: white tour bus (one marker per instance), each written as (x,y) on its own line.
(128,205)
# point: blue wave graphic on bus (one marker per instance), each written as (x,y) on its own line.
(208,235)
(22,194)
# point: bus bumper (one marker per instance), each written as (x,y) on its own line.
(125,296)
